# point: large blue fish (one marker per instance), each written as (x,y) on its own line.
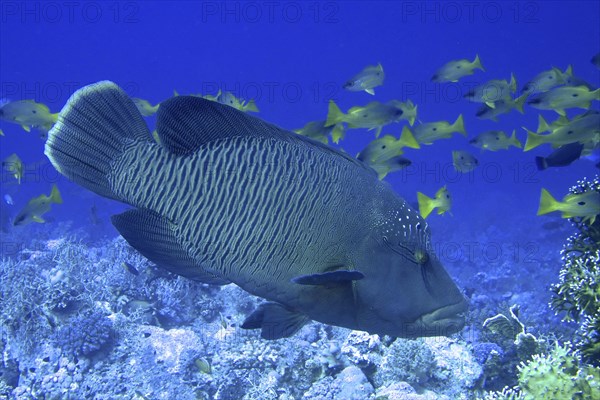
(228,198)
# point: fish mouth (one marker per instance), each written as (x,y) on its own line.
(443,321)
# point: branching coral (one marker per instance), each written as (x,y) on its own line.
(577,293)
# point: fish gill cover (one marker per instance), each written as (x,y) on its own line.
(308,196)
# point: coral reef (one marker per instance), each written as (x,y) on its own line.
(82,320)
(558,375)
(577,294)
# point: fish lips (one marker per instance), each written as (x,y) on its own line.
(443,321)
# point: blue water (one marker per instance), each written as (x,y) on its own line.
(292,57)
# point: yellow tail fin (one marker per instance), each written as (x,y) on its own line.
(407,139)
(542,125)
(55,195)
(519,102)
(533,140)
(426,204)
(513,83)
(334,114)
(547,203)
(459,125)
(251,106)
(514,141)
(477,63)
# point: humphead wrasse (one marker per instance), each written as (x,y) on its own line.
(228,198)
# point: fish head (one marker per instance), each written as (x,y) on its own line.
(406,291)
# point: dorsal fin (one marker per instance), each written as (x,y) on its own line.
(184,123)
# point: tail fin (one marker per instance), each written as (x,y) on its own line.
(334,115)
(55,195)
(519,102)
(547,203)
(251,106)
(542,124)
(514,141)
(533,140)
(93,129)
(426,204)
(477,63)
(459,125)
(407,139)
(338,133)
(512,85)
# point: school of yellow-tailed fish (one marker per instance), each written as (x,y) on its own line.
(549,90)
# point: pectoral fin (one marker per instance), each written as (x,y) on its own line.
(275,321)
(329,278)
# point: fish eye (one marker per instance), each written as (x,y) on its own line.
(570,132)
(34,111)
(383,147)
(434,129)
(581,203)
(575,95)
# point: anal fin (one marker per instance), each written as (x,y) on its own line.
(153,236)
(275,321)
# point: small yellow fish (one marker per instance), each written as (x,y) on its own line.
(367,79)
(493,91)
(144,107)
(317,130)
(583,129)
(429,132)
(464,161)
(28,113)
(501,107)
(374,115)
(454,70)
(388,146)
(38,206)
(383,154)
(495,140)
(14,165)
(560,98)
(545,81)
(442,201)
(229,99)
(585,205)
